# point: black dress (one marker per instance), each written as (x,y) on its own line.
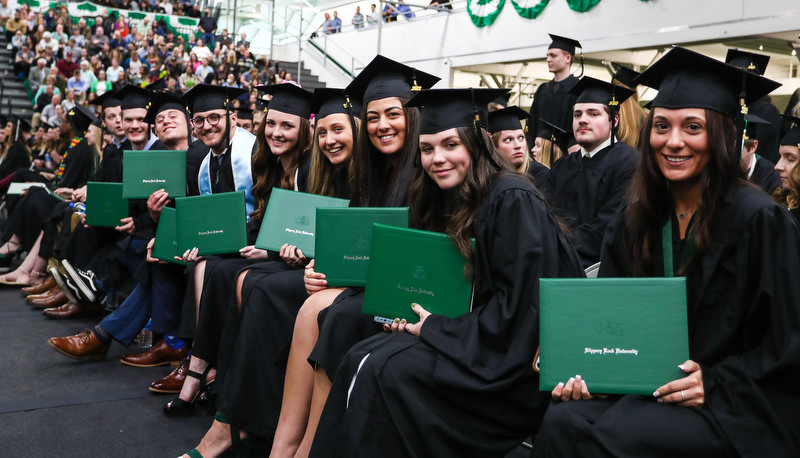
(744,330)
(588,191)
(17,157)
(466,386)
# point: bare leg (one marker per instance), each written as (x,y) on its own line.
(199,276)
(322,387)
(217,440)
(31,268)
(239,286)
(298,387)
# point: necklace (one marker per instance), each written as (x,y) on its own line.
(687,213)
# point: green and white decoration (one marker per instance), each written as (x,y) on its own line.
(180,25)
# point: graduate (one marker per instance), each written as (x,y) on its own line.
(509,141)
(758,170)
(789,194)
(631,113)
(244,119)
(465,386)
(18,155)
(330,321)
(553,100)
(550,144)
(740,254)
(769,134)
(589,185)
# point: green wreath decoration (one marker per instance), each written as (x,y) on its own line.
(582,6)
(485,12)
(527,9)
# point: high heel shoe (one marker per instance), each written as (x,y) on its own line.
(180,408)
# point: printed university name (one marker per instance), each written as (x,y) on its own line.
(610,351)
(156,180)
(218,231)
(298,231)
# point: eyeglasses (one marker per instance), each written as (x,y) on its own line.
(213,119)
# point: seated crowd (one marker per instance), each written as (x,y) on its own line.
(287,361)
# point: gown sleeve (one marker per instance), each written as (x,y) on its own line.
(517,242)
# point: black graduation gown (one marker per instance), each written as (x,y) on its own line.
(110,168)
(17,157)
(553,103)
(540,175)
(764,175)
(768,135)
(744,330)
(588,191)
(194,157)
(465,387)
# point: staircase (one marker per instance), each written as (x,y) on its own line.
(14,96)
(308,80)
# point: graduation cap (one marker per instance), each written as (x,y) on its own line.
(623,74)
(792,137)
(555,134)
(564,43)
(109,99)
(383,78)
(592,90)
(162,101)
(328,101)
(133,97)
(207,97)
(80,119)
(262,105)
(751,126)
(750,61)
(686,79)
(244,114)
(3,120)
(288,98)
(502,100)
(442,109)
(507,119)
(21,123)
(158,85)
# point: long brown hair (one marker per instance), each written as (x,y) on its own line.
(649,198)
(322,177)
(790,197)
(430,208)
(267,169)
(375,183)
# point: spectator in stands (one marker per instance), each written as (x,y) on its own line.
(374,16)
(23,61)
(16,42)
(37,74)
(121,26)
(84,31)
(72,47)
(6,13)
(201,50)
(325,27)
(194,11)
(389,13)
(133,64)
(116,40)
(175,63)
(358,19)
(69,101)
(204,69)
(80,85)
(59,36)
(50,19)
(45,97)
(404,10)
(165,6)
(208,25)
(162,51)
(115,74)
(97,41)
(87,74)
(243,41)
(188,79)
(101,85)
(16,23)
(49,111)
(67,66)
(47,41)
(336,23)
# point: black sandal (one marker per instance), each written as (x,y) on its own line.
(180,408)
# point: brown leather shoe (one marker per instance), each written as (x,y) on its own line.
(49,293)
(56,300)
(73,310)
(80,346)
(159,355)
(39,288)
(173,382)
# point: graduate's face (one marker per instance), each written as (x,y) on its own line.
(335,137)
(171,126)
(213,136)
(134,126)
(512,146)
(445,158)
(590,124)
(680,141)
(386,124)
(788,160)
(282,131)
(537,149)
(245,124)
(558,60)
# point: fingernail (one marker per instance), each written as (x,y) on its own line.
(659,400)
(560,385)
(577,377)
(682,367)
(403,321)
(571,380)
(397,320)
(414,304)
(584,383)
(656,394)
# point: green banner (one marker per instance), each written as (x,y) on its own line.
(529,9)
(582,6)
(484,12)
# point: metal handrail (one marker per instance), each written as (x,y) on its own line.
(328,57)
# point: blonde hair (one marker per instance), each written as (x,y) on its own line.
(522,168)
(550,152)
(631,118)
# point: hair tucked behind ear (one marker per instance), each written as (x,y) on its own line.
(430,208)
(649,199)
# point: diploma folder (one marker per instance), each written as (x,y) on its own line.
(214,223)
(291,217)
(343,241)
(621,335)
(411,266)
(104,204)
(145,172)
(165,247)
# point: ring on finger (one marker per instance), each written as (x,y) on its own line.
(683,397)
